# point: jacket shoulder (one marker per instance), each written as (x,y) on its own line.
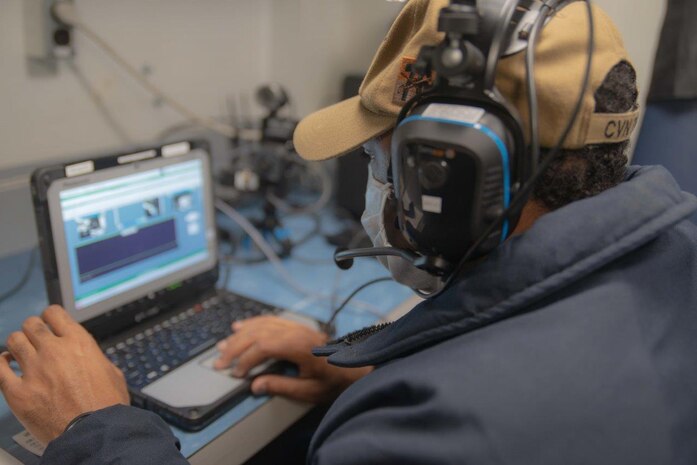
(579,368)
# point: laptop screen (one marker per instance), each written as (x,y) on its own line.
(133,230)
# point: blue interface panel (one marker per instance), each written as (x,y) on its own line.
(128,231)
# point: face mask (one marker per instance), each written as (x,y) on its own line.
(378,196)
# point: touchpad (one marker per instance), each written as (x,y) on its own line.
(256,371)
(194,384)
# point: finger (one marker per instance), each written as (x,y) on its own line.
(249,359)
(21,348)
(306,390)
(8,379)
(230,349)
(36,331)
(59,320)
(258,322)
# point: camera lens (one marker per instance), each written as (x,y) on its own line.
(434,174)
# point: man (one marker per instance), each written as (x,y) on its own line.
(573,343)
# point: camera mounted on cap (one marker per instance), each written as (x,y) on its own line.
(455,59)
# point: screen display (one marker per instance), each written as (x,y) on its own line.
(128,231)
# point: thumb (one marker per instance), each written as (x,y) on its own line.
(306,390)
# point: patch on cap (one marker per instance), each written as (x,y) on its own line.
(409,83)
(611,127)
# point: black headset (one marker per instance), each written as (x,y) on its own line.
(460,166)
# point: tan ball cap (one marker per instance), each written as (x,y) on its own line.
(560,62)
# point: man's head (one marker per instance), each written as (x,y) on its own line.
(585,172)
(593,153)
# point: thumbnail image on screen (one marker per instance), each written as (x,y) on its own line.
(128,231)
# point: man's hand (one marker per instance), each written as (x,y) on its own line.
(259,339)
(64,374)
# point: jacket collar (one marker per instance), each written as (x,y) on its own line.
(561,248)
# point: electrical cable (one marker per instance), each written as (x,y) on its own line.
(264,246)
(353,294)
(285,252)
(338,275)
(356,238)
(226,260)
(98,102)
(226,272)
(522,196)
(531,85)
(66,13)
(234,258)
(495,52)
(23,280)
(276,261)
(258,238)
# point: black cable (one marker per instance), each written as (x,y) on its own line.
(522,195)
(533,112)
(330,322)
(23,280)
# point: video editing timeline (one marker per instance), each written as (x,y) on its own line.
(128,231)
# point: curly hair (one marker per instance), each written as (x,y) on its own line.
(578,174)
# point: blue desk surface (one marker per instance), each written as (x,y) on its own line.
(316,271)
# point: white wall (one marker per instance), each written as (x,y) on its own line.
(318,42)
(201,51)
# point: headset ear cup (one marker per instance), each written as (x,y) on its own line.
(453,173)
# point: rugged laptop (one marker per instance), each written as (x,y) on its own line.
(129,248)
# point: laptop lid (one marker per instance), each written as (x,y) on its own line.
(127,228)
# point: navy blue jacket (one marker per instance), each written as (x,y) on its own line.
(574,343)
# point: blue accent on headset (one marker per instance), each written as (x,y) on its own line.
(502,150)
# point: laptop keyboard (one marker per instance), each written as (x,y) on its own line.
(156,350)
